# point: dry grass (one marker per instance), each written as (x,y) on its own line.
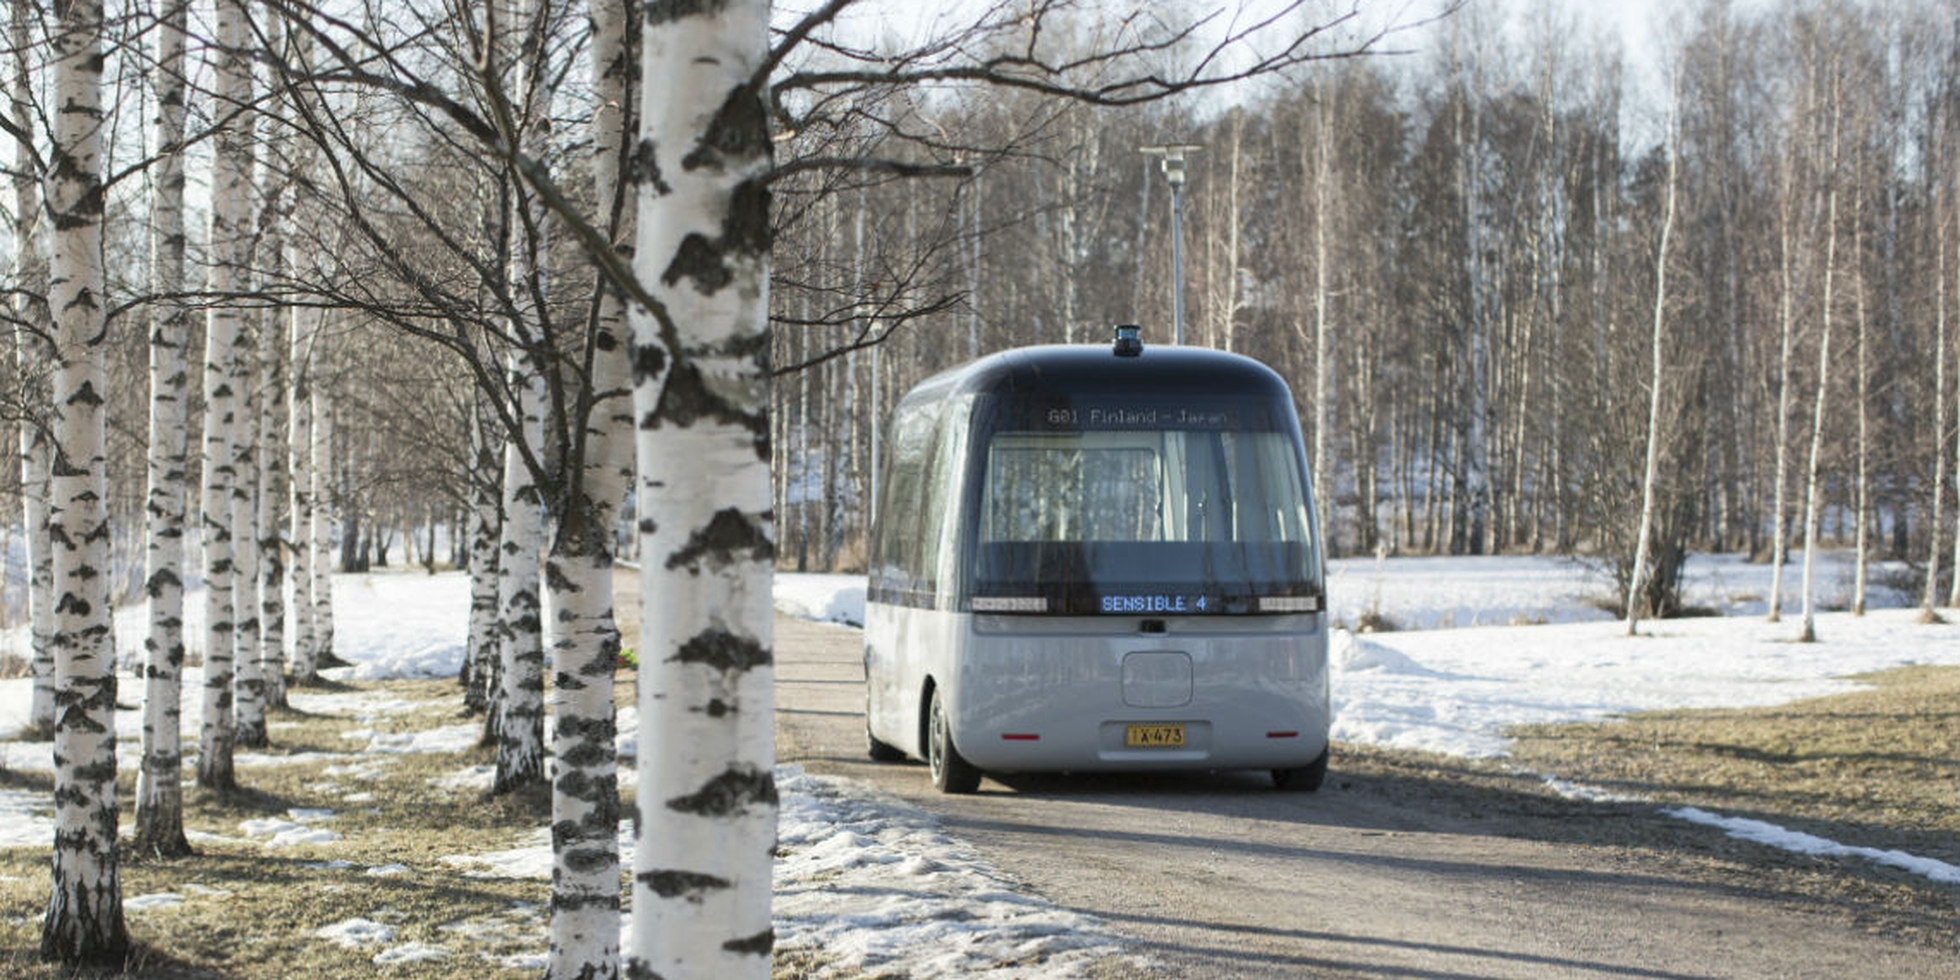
(1878,767)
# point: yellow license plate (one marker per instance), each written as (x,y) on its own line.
(1154,736)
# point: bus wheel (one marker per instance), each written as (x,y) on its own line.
(950,772)
(1306,779)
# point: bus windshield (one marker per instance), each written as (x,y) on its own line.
(1132,507)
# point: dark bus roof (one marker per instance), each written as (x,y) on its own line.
(1093,369)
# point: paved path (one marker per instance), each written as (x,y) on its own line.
(1220,876)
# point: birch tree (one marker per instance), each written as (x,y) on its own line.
(519,44)
(486,523)
(1637,582)
(707,798)
(159,784)
(320,506)
(585,639)
(248,673)
(302,328)
(84,922)
(230,244)
(1813,471)
(1929,597)
(33,358)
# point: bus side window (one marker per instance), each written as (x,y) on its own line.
(940,504)
(899,517)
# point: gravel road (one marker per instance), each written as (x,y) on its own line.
(1397,871)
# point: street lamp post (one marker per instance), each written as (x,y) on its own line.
(1173,167)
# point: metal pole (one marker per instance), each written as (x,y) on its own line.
(1173,167)
(1177,260)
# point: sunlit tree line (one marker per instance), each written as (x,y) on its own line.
(1452,255)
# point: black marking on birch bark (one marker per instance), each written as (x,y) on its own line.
(723,542)
(649,361)
(688,885)
(724,651)
(745,234)
(698,259)
(760,944)
(729,794)
(717,708)
(643,167)
(556,579)
(86,395)
(658,12)
(637,969)
(576,903)
(738,134)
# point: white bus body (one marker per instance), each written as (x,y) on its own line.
(1091,562)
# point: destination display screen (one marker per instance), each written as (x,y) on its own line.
(1128,414)
(1134,412)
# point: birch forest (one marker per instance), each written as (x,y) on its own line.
(530,287)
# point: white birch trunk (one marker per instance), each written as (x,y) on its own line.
(1779,540)
(585,640)
(84,922)
(1637,582)
(1813,492)
(159,784)
(520,702)
(230,243)
(270,516)
(485,526)
(1477,327)
(1861,380)
(1953,590)
(1323,398)
(273,418)
(1931,596)
(301,331)
(248,676)
(319,549)
(707,798)
(33,360)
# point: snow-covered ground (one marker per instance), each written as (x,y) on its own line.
(873,881)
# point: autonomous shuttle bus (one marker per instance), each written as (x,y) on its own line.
(1096,559)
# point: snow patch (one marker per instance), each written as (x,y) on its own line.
(1770,834)
(356,933)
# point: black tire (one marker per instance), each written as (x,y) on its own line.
(951,773)
(1304,779)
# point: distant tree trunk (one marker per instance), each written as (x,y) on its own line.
(707,799)
(1813,475)
(1930,597)
(1473,425)
(230,246)
(248,672)
(270,517)
(1779,538)
(34,358)
(1637,582)
(84,922)
(1862,503)
(1323,375)
(159,783)
(1953,590)
(319,473)
(300,334)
